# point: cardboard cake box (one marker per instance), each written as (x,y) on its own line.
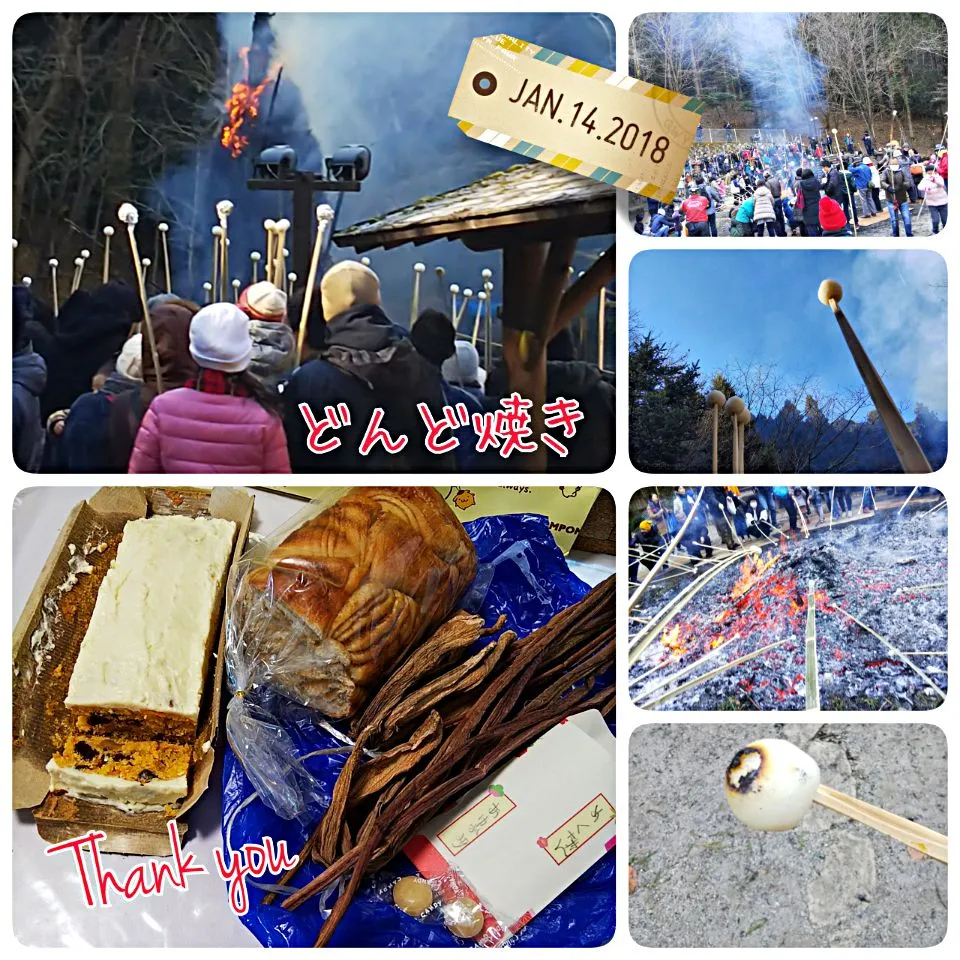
(46,642)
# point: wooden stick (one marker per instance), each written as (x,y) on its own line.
(921,586)
(892,649)
(663,558)
(207,291)
(163,228)
(812,667)
(254,261)
(914,835)
(454,290)
(128,215)
(324,219)
(648,705)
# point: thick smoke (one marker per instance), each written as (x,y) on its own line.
(787,83)
(385,81)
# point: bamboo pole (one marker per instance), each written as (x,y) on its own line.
(909,453)
(642,640)
(846,182)
(656,567)
(54,263)
(812,665)
(128,214)
(216,233)
(905,502)
(224,209)
(677,674)
(324,219)
(163,228)
(892,649)
(418,270)
(650,704)
(481,299)
(107,234)
(601,325)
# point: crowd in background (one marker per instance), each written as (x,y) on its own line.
(737,516)
(224,392)
(806,188)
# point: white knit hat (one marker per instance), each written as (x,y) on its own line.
(264,301)
(348,284)
(220,338)
(463,366)
(129,362)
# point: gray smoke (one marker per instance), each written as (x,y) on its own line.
(787,83)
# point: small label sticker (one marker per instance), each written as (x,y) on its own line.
(575,115)
(476,821)
(571,835)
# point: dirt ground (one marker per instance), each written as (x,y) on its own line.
(704,880)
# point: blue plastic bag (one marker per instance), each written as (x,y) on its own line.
(530,585)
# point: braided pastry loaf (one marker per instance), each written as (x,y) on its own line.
(347,594)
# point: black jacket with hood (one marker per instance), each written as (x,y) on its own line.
(29,379)
(91,329)
(366,362)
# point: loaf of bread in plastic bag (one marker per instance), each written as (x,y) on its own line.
(346,595)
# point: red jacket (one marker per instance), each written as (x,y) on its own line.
(186,431)
(695,209)
(942,166)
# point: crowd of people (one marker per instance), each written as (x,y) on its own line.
(738,516)
(223,391)
(811,187)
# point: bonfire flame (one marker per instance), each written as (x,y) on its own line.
(751,570)
(243,106)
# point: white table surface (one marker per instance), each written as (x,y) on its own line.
(48,907)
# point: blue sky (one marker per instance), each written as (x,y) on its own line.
(760,307)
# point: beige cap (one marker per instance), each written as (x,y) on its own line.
(348,284)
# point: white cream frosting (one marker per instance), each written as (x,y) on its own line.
(145,647)
(131,796)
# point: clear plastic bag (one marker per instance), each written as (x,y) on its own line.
(445,900)
(321,611)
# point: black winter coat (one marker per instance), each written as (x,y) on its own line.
(367,362)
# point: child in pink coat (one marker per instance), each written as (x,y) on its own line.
(224,420)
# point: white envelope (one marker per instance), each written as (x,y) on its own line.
(539,822)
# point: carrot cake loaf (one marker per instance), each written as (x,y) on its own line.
(136,688)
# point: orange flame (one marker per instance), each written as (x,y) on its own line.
(244,106)
(751,570)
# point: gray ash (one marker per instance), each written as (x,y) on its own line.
(880,569)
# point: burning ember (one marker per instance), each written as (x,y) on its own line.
(889,574)
(243,106)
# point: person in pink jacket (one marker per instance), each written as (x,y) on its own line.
(224,420)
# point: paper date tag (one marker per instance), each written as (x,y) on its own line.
(575,115)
